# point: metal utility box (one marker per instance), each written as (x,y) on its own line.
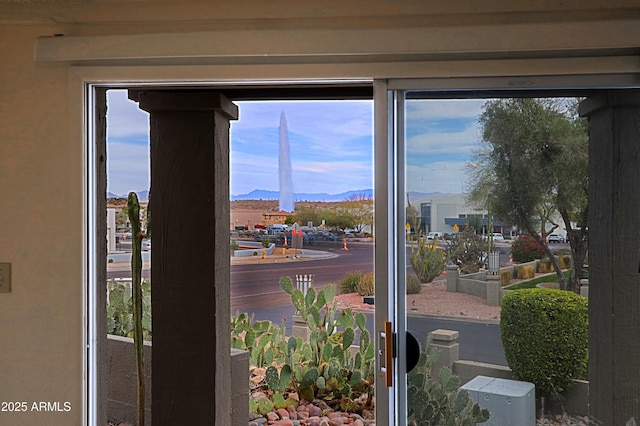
(510,402)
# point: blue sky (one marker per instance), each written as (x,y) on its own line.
(331,145)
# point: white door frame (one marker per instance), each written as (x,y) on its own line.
(389,222)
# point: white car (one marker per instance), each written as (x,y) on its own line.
(146,245)
(497,236)
(555,238)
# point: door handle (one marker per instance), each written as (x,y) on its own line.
(413,351)
(385,353)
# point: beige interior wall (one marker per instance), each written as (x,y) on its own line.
(40,235)
(41,148)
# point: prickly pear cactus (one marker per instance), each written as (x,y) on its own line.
(434,402)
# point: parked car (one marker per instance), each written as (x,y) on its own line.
(433,235)
(146,245)
(555,238)
(497,236)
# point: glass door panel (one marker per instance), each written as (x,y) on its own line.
(440,136)
(424,149)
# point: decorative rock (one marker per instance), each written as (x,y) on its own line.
(358,422)
(320,403)
(314,411)
(271,416)
(367,414)
(293,415)
(284,414)
(285,422)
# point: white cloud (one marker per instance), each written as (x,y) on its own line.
(435,109)
(124,118)
(127,168)
(443,176)
(331,145)
(462,142)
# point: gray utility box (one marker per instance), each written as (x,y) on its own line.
(510,402)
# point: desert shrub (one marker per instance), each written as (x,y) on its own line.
(414,286)
(365,285)
(427,259)
(468,250)
(545,266)
(505,277)
(526,272)
(349,281)
(526,249)
(564,261)
(545,337)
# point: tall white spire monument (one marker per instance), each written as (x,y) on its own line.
(284,168)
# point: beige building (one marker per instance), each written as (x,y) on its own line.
(246,218)
(59,56)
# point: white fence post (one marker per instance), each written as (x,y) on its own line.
(303,282)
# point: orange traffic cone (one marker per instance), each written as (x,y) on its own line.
(344,244)
(285,241)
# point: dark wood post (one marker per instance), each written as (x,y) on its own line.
(190,256)
(614,257)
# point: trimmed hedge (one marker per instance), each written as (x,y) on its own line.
(545,337)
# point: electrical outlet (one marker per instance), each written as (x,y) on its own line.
(5,278)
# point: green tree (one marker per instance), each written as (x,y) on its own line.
(357,212)
(122,217)
(533,165)
(413,218)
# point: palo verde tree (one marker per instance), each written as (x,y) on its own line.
(534,164)
(357,211)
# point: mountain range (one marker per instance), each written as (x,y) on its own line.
(261,194)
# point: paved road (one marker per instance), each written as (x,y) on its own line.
(257,285)
(255,289)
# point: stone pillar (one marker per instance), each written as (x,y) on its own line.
(452,278)
(239,388)
(190,257)
(614,300)
(445,341)
(300,328)
(493,290)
